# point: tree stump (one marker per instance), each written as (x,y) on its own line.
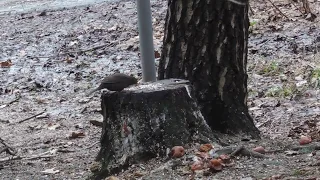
(144,121)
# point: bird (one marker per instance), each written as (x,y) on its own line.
(116,82)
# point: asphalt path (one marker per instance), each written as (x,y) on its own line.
(21,6)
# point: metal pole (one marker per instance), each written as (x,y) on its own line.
(146,40)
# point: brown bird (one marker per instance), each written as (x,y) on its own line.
(115,82)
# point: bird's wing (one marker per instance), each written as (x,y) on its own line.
(111,82)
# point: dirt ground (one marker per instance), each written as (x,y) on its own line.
(51,59)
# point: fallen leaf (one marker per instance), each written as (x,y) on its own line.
(177,151)
(197,166)
(225,158)
(139,174)
(215,165)
(6,64)
(305,140)
(3,106)
(203,155)
(95,166)
(259,149)
(156,54)
(76,135)
(68,60)
(112,178)
(205,147)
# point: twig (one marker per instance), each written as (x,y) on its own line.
(15,100)
(85,50)
(70,52)
(63,150)
(9,151)
(3,150)
(25,158)
(47,154)
(4,121)
(37,57)
(10,158)
(278,9)
(251,10)
(306,6)
(245,152)
(314,146)
(309,15)
(26,119)
(296,7)
(83,110)
(38,157)
(7,148)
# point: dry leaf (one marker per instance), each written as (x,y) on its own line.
(68,60)
(6,64)
(215,164)
(177,151)
(225,159)
(76,135)
(203,155)
(305,140)
(95,167)
(259,149)
(112,178)
(3,106)
(139,174)
(205,147)
(197,166)
(156,54)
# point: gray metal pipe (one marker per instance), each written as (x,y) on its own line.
(146,40)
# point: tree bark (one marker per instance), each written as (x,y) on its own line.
(206,43)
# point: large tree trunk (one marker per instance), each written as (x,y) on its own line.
(206,43)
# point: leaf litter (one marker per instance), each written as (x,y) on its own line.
(50,59)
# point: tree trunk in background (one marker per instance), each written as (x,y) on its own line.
(206,42)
